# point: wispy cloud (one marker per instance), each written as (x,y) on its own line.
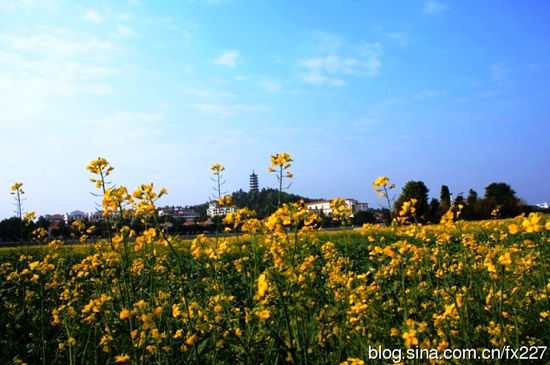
(228,58)
(186,35)
(38,69)
(428,94)
(226,110)
(271,86)
(326,43)
(11,5)
(432,7)
(55,44)
(125,32)
(92,16)
(331,69)
(208,94)
(213,2)
(126,127)
(402,39)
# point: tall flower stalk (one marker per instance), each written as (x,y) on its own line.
(280,162)
(380,185)
(18,192)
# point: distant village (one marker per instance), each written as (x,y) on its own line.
(203,218)
(191,216)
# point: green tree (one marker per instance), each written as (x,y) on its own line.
(359,218)
(265,201)
(418,191)
(502,196)
(433,215)
(499,193)
(468,212)
(444,199)
(13,230)
(472,197)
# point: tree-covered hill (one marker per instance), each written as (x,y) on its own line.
(264,201)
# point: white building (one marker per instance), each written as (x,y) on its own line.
(96,216)
(323,206)
(544,205)
(178,213)
(214,210)
(76,215)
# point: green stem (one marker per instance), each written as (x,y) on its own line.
(280,178)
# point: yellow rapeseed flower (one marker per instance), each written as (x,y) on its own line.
(263,314)
(122,358)
(410,338)
(505,259)
(100,166)
(217,168)
(381,181)
(29,216)
(124,313)
(263,285)
(281,159)
(531,223)
(175,311)
(513,229)
(17,186)
(191,339)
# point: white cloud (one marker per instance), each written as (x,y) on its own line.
(314,77)
(125,32)
(227,58)
(330,69)
(59,43)
(271,86)
(226,110)
(40,70)
(93,17)
(207,94)
(402,39)
(213,2)
(366,124)
(11,5)
(186,36)
(324,42)
(125,128)
(432,7)
(428,94)
(20,66)
(59,54)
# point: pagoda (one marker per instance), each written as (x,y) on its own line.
(253,182)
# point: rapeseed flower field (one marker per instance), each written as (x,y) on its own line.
(281,291)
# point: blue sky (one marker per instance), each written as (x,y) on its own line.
(447,92)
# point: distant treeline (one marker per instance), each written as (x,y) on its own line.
(499,201)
